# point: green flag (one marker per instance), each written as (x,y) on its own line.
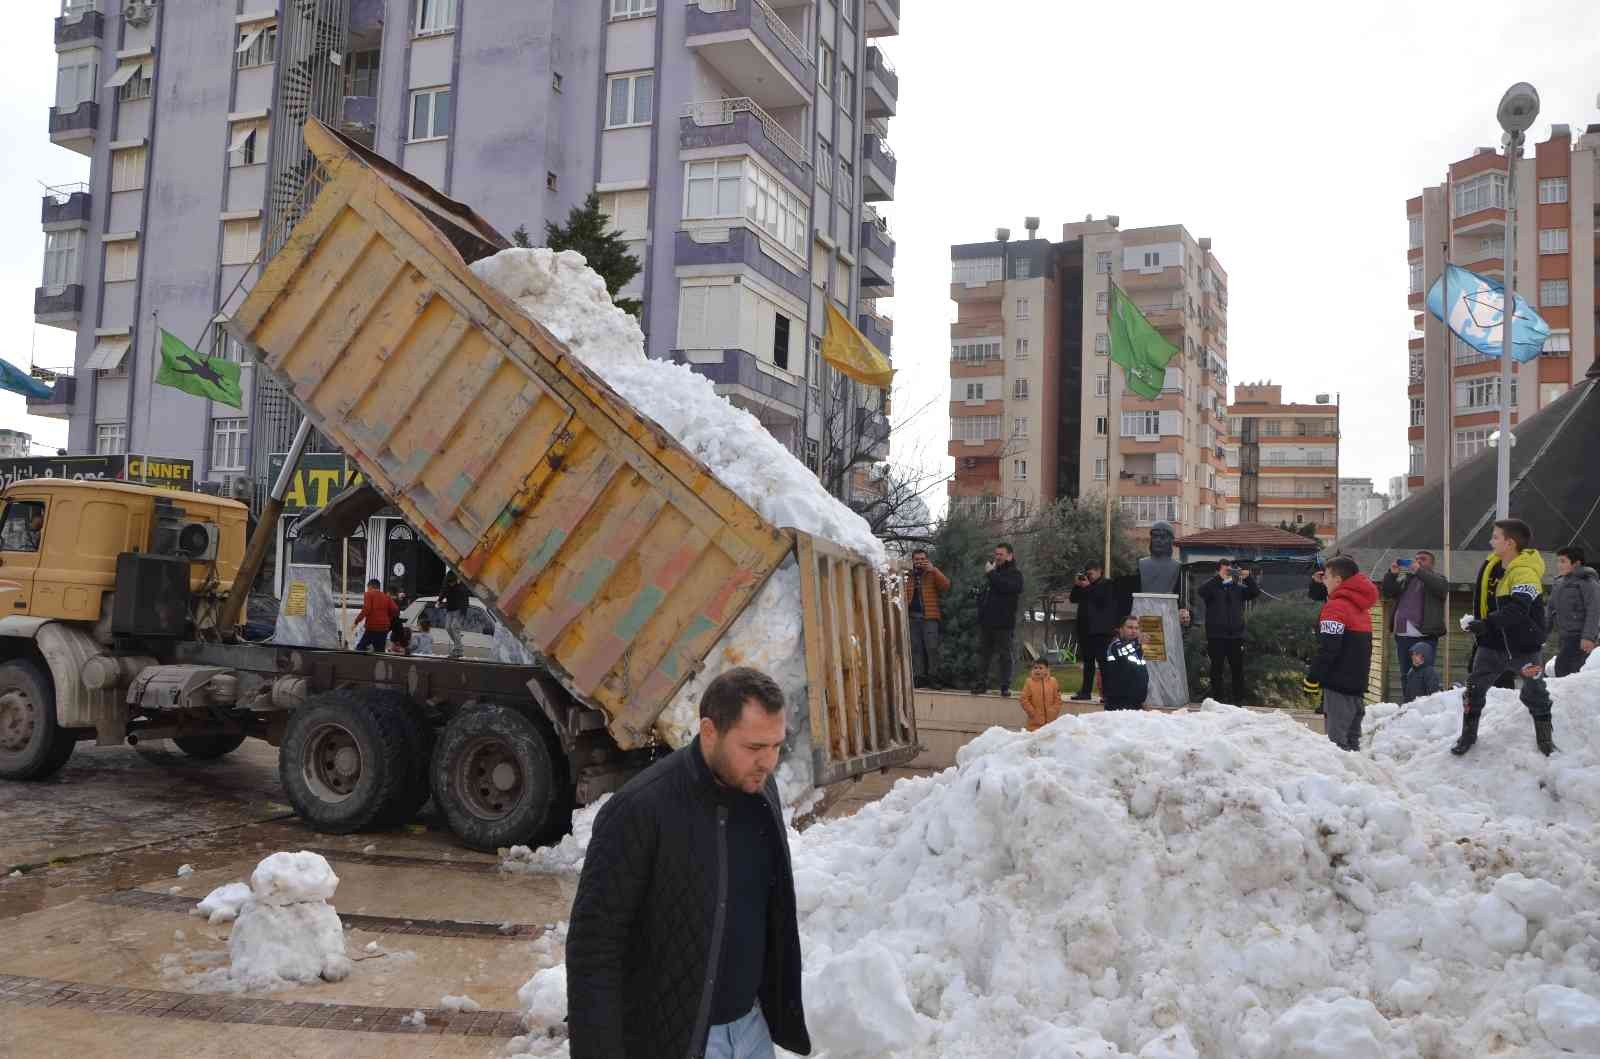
(184,369)
(1137,346)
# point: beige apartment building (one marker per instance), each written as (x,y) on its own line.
(1282,461)
(1034,397)
(1455,402)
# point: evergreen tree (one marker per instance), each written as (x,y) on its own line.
(606,251)
(959,547)
(521,238)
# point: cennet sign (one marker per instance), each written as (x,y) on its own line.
(156,471)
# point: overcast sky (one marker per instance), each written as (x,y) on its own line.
(1291,134)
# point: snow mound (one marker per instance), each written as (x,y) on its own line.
(459,1003)
(563,858)
(222,904)
(543,998)
(272,944)
(560,291)
(292,878)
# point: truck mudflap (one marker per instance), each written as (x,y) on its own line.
(66,650)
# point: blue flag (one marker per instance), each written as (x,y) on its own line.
(1475,310)
(16,380)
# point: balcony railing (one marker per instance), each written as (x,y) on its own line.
(779,27)
(878,61)
(64,203)
(723,112)
(79,22)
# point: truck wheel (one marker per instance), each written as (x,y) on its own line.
(344,760)
(208,747)
(32,745)
(411,796)
(498,781)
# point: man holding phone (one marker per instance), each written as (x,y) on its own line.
(1225,597)
(925,589)
(1418,595)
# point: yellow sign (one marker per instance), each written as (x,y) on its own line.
(294,600)
(163,474)
(1151,626)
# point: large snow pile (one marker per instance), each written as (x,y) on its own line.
(560,291)
(286,931)
(1221,883)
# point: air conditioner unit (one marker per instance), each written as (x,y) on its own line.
(197,541)
(138,12)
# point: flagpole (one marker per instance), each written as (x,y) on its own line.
(1110,309)
(1449,412)
(1508,313)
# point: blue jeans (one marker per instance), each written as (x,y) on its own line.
(746,1038)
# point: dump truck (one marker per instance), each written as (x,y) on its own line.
(605,546)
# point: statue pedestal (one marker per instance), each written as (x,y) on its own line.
(307,616)
(1158,618)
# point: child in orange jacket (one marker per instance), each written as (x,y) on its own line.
(1041,697)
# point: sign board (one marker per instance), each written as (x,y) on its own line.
(294,600)
(1156,649)
(156,471)
(318,478)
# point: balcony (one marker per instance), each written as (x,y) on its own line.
(877,169)
(734,246)
(750,382)
(881,85)
(883,18)
(732,122)
(79,22)
(74,129)
(753,49)
(63,392)
(877,256)
(873,429)
(879,331)
(66,206)
(58,306)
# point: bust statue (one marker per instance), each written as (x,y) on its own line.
(1158,571)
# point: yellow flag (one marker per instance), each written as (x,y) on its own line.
(848,350)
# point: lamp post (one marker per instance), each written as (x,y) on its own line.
(1518,109)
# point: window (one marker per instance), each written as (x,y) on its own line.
(847,88)
(438,16)
(1416,411)
(1416,232)
(1552,189)
(24,523)
(361,72)
(1494,246)
(227,443)
(249,143)
(241,241)
(813,453)
(1022,348)
(632,8)
(708,316)
(1100,469)
(841,284)
(555,82)
(110,439)
(780,341)
(551,181)
(430,114)
(1145,510)
(975,429)
(138,86)
(1481,392)
(127,169)
(1554,292)
(1470,442)
(1484,191)
(1102,263)
(1559,344)
(627,212)
(1552,240)
(1102,385)
(631,100)
(974,391)
(1415,374)
(713,188)
(1102,345)
(1551,391)
(972,350)
(61,257)
(122,260)
(1272,428)
(1024,308)
(1019,470)
(1152,259)
(75,79)
(226,346)
(824,65)
(258,46)
(814,366)
(976,271)
(1100,303)
(1019,390)
(1099,426)
(1416,277)
(824,170)
(1141,424)
(1415,466)
(1021,268)
(1019,426)
(847,181)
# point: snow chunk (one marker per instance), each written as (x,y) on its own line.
(289,878)
(857,1005)
(560,291)
(185,870)
(416,1018)
(301,942)
(222,904)
(1570,1019)
(459,1003)
(544,998)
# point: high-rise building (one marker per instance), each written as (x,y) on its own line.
(1359,504)
(1283,460)
(15,445)
(738,145)
(1398,489)
(1034,397)
(1454,392)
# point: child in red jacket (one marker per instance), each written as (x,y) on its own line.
(378,615)
(1344,651)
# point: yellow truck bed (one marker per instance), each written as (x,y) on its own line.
(608,548)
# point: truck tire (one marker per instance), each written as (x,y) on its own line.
(498,779)
(32,745)
(344,760)
(209,747)
(411,796)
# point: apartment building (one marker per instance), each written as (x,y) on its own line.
(1035,399)
(1454,392)
(1359,504)
(1282,461)
(15,445)
(741,146)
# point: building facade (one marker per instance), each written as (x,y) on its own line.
(1283,461)
(1035,399)
(738,145)
(1454,392)
(1359,504)
(15,445)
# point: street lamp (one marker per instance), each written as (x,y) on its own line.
(1519,107)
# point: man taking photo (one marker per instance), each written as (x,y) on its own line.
(1097,606)
(925,588)
(1225,596)
(684,938)
(997,617)
(1419,596)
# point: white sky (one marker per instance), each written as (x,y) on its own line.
(1291,134)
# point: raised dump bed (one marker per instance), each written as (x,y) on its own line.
(607,547)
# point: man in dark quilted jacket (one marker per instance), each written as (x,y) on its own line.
(684,939)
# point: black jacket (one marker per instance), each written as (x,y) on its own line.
(1097,605)
(997,609)
(1124,675)
(1434,590)
(1423,679)
(646,922)
(454,596)
(1225,602)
